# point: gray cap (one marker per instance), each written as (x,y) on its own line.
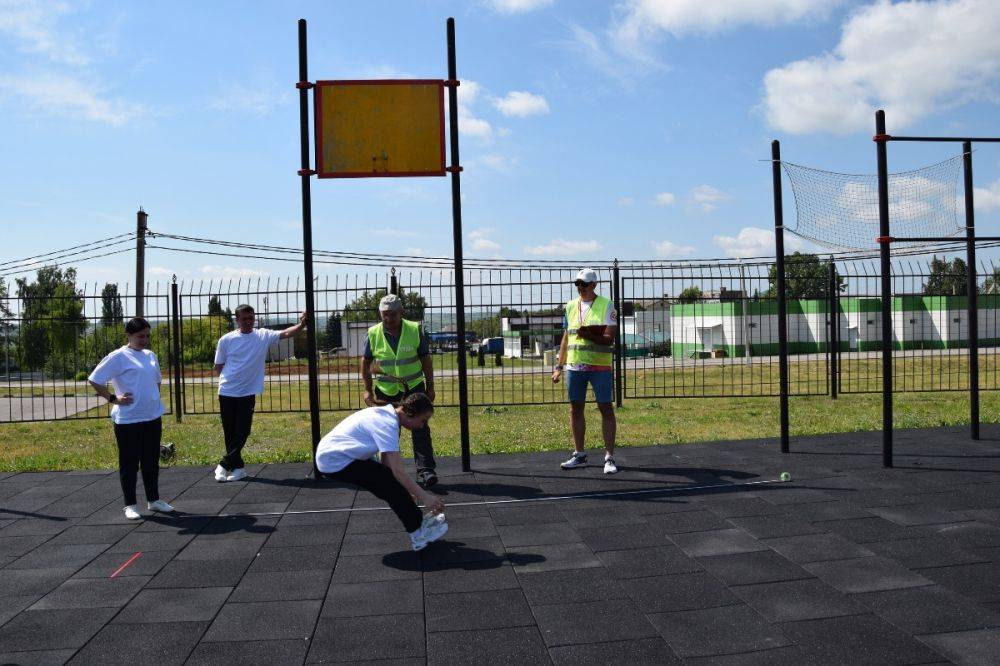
(586,275)
(390,303)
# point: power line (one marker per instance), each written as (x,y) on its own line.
(81,259)
(121,238)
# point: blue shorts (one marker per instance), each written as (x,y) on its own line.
(603,382)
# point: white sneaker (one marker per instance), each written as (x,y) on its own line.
(576,460)
(433,519)
(609,466)
(237,474)
(132,512)
(159,505)
(221,473)
(429,530)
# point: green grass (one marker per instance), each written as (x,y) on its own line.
(499,428)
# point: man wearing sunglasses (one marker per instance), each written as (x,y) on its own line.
(586,354)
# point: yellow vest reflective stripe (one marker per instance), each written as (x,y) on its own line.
(582,351)
(400,368)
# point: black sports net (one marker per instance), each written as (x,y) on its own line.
(840,210)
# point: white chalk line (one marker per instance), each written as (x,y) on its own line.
(552,498)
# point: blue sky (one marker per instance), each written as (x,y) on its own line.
(590,130)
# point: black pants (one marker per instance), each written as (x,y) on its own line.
(423,450)
(237,417)
(378,479)
(139,446)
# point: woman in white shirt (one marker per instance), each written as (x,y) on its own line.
(346,454)
(134,373)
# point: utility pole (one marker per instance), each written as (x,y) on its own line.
(140,261)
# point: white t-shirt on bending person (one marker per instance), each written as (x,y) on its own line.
(135,371)
(361,435)
(242,357)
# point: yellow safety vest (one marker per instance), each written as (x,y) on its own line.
(400,368)
(584,351)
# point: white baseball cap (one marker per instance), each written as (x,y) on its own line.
(586,275)
(389,303)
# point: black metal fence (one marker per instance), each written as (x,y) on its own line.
(686,330)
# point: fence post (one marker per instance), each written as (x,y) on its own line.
(973,289)
(140,263)
(393,282)
(779,252)
(881,153)
(619,347)
(175,333)
(833,338)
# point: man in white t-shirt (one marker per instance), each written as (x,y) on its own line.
(239,362)
(346,452)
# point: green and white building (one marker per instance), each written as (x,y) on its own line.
(919,322)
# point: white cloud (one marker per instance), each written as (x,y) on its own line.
(708,197)
(563,247)
(160,271)
(639,20)
(414,251)
(70,97)
(987,198)
(910,58)
(671,249)
(33,25)
(591,49)
(664,199)
(481,240)
(498,162)
(468,123)
(753,242)
(517,6)
(485,244)
(257,99)
(522,104)
(217,271)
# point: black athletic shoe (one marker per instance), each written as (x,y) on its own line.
(428,480)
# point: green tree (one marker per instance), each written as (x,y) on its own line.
(215,309)
(111,306)
(806,276)
(52,320)
(991,285)
(333,337)
(690,295)
(947,278)
(365,306)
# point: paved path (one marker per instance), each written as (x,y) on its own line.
(847,563)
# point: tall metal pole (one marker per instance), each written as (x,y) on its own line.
(456,215)
(973,304)
(779,251)
(884,254)
(307,251)
(619,347)
(140,262)
(833,338)
(175,333)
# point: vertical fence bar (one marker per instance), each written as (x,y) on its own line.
(307,259)
(616,282)
(456,214)
(779,252)
(140,263)
(886,264)
(973,289)
(833,338)
(175,334)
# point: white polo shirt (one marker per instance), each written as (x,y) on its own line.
(361,435)
(135,371)
(242,357)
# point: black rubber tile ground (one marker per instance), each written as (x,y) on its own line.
(131,644)
(903,562)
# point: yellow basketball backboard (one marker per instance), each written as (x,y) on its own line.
(377,128)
